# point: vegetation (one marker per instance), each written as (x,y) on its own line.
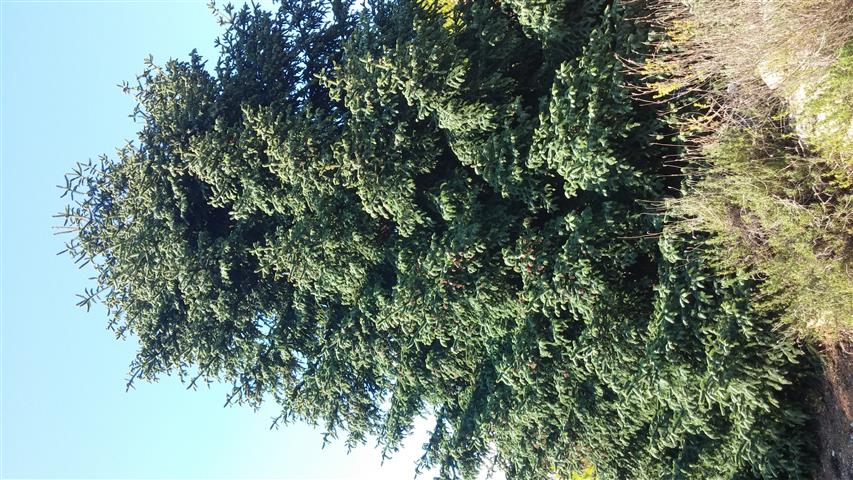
(367,215)
(761,93)
(781,217)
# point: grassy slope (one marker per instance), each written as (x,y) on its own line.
(769,117)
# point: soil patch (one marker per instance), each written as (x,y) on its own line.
(835,414)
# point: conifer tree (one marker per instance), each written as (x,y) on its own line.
(369,215)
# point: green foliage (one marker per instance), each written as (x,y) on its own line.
(761,91)
(376,217)
(781,217)
(829,109)
(587,473)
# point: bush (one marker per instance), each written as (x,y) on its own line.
(785,220)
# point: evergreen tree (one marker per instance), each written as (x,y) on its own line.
(370,215)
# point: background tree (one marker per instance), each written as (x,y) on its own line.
(370,215)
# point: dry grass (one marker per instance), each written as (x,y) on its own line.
(761,91)
(732,51)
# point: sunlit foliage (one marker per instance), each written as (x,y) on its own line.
(373,217)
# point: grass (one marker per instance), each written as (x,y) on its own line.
(827,111)
(762,95)
(781,217)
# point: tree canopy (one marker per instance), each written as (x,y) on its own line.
(370,214)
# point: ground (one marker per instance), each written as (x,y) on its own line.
(835,414)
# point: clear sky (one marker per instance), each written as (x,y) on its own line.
(65,413)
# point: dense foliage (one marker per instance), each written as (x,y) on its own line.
(761,93)
(368,215)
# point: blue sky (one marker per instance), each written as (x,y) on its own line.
(65,413)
